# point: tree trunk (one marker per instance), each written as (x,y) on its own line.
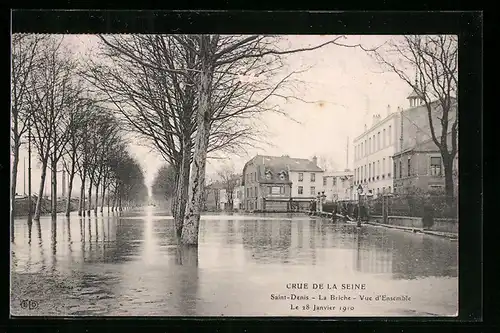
(53,192)
(13,186)
(90,197)
(38,208)
(103,196)
(197,179)
(81,205)
(448,179)
(181,192)
(96,198)
(70,189)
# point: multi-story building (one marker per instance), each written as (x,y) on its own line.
(280,183)
(417,161)
(338,185)
(398,132)
(421,167)
(373,151)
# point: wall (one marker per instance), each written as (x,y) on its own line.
(306,183)
(440,224)
(251,182)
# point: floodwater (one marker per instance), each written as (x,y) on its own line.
(245,265)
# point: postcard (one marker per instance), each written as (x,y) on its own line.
(224,175)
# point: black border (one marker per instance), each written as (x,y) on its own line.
(467,24)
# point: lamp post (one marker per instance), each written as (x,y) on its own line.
(360,193)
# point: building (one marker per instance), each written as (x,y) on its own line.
(373,151)
(421,168)
(237,195)
(417,161)
(338,185)
(280,183)
(398,132)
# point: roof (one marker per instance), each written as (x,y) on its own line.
(277,164)
(414,94)
(289,163)
(338,173)
(424,146)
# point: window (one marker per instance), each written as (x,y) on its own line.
(313,190)
(390,136)
(301,177)
(255,177)
(389,189)
(395,169)
(282,190)
(383,189)
(378,168)
(383,138)
(378,140)
(255,194)
(409,167)
(369,146)
(301,190)
(324,181)
(334,181)
(373,143)
(269,190)
(436,166)
(383,166)
(369,170)
(400,169)
(313,177)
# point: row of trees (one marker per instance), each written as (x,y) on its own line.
(53,112)
(193,95)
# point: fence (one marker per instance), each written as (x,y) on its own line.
(416,205)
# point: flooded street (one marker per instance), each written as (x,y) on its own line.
(245,265)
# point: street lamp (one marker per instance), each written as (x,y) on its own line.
(360,193)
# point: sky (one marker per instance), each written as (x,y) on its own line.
(344,88)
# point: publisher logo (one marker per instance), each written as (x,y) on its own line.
(29,304)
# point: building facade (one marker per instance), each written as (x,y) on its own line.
(417,161)
(280,183)
(398,132)
(373,151)
(338,185)
(420,168)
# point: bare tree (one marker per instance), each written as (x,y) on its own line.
(78,126)
(202,75)
(326,163)
(24,59)
(52,95)
(230,181)
(433,59)
(221,57)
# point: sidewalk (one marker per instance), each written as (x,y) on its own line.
(448,235)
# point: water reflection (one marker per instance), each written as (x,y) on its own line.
(130,264)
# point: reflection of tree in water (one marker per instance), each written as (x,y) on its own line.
(129,235)
(267,239)
(187,259)
(53,242)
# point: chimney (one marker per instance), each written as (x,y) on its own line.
(315,160)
